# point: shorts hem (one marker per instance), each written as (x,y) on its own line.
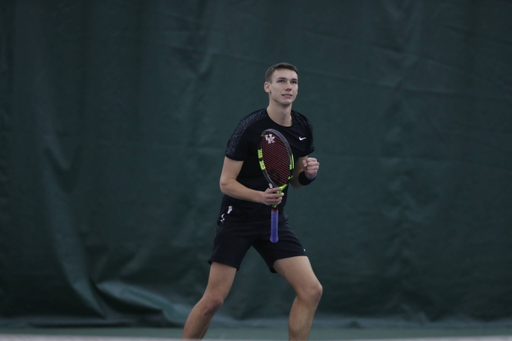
(210,261)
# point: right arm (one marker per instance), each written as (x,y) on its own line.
(230,186)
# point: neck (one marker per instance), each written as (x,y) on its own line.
(280,114)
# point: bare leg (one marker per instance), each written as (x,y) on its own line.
(298,273)
(219,283)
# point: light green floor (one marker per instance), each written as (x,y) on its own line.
(265,334)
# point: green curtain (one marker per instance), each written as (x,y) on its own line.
(114,116)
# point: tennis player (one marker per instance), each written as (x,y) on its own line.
(244,219)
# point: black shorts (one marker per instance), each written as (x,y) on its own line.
(234,238)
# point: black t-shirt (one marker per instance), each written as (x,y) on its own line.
(243,146)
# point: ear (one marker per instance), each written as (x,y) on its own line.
(266,87)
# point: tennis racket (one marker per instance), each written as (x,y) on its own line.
(276,162)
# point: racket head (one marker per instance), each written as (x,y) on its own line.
(276,158)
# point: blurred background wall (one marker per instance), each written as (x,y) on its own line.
(114,116)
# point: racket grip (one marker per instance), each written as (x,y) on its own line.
(274,223)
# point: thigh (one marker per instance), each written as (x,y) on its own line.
(220,280)
(297,271)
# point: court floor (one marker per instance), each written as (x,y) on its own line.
(167,334)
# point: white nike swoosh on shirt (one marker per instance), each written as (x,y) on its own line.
(302,138)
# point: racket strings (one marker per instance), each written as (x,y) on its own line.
(277,161)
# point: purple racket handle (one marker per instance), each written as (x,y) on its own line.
(274,220)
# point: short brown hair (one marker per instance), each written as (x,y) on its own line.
(283,65)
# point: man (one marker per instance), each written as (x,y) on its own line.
(244,220)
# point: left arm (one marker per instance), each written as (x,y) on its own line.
(306,164)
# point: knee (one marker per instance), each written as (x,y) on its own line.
(317,292)
(211,305)
(312,293)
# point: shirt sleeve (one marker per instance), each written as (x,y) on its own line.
(308,127)
(311,148)
(238,145)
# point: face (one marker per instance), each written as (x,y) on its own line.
(284,86)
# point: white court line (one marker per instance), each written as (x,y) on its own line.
(117,338)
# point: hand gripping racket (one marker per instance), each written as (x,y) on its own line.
(276,162)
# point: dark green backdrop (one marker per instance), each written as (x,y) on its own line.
(114,118)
